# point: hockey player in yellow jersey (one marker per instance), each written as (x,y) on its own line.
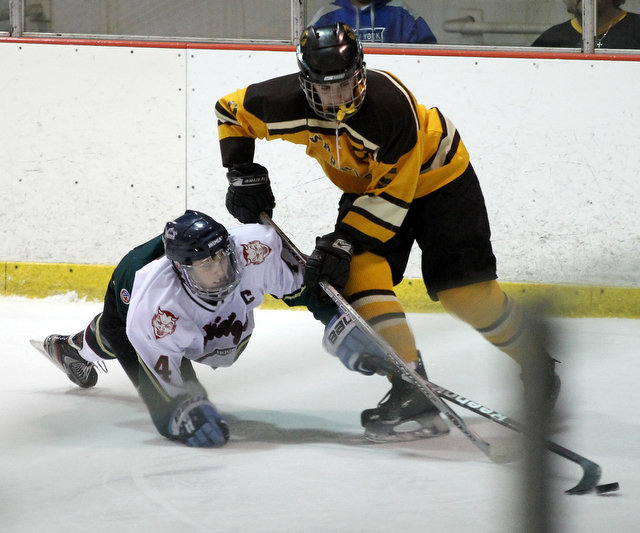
(406,177)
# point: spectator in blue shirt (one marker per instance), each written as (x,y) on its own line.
(379,21)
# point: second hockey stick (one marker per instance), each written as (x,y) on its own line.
(591,472)
(403,369)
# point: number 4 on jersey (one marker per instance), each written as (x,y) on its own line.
(162,367)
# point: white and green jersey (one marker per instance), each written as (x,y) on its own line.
(166,323)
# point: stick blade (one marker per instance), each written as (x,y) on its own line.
(589,481)
(607,488)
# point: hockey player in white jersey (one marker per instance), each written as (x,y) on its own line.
(185,296)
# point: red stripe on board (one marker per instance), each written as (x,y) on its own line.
(147,44)
(289,48)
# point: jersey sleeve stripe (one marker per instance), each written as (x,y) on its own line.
(291,296)
(380,211)
(447,148)
(224,116)
(453,150)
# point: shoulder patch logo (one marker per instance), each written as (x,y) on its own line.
(125,296)
(255,252)
(164,323)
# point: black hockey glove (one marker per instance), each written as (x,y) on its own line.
(330,260)
(249,192)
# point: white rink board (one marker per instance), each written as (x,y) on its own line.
(558,168)
(558,165)
(92,149)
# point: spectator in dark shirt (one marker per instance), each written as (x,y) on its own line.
(615,27)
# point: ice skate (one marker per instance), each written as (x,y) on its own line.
(551,382)
(61,350)
(403,414)
(538,367)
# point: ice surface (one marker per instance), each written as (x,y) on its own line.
(90,460)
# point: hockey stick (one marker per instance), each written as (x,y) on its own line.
(404,370)
(591,471)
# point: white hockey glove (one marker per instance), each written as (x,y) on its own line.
(352,346)
(196,422)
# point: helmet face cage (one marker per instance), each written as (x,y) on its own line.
(215,277)
(337,100)
(203,255)
(332,70)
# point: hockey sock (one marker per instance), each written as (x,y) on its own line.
(492,313)
(508,332)
(370,292)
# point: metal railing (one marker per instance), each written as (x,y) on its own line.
(21,11)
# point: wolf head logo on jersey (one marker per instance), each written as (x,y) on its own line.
(164,323)
(255,252)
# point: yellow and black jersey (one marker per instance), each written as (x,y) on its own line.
(390,152)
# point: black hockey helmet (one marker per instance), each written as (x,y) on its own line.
(202,254)
(330,58)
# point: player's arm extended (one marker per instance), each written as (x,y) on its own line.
(187,415)
(249,192)
(176,401)
(237,129)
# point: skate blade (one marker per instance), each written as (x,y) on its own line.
(427,427)
(39,345)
